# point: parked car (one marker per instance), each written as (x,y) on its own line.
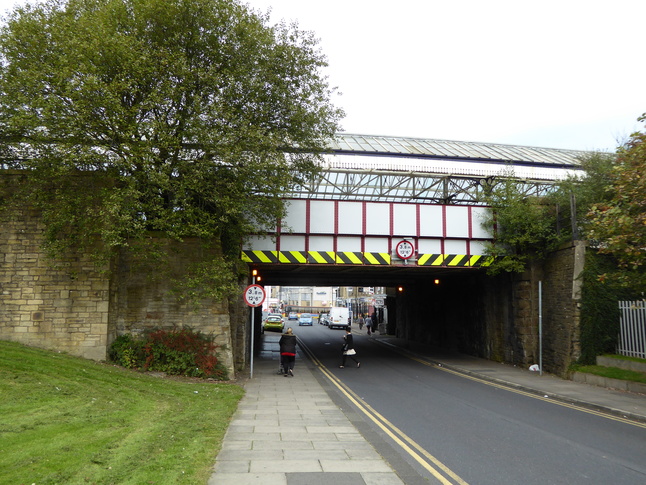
(273,323)
(306,319)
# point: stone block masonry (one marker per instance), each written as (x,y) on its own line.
(47,306)
(74,307)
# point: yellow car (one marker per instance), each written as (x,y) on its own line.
(273,323)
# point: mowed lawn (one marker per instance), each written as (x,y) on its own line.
(66,420)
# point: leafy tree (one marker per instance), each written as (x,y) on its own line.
(619,225)
(581,192)
(187,117)
(523,226)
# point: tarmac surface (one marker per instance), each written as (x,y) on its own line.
(291,430)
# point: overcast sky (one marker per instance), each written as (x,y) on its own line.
(555,73)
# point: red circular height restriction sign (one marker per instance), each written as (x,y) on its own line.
(254,295)
(405,249)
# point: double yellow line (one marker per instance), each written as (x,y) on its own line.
(434,466)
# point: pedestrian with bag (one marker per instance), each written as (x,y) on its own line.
(287,345)
(348,349)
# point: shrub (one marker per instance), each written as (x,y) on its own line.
(178,351)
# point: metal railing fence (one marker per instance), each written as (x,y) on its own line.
(632,330)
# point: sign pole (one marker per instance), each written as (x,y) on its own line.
(540,327)
(253,334)
(254,295)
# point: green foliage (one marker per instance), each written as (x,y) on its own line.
(524,227)
(582,192)
(599,309)
(175,352)
(190,118)
(70,420)
(619,225)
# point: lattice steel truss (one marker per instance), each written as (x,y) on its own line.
(381,186)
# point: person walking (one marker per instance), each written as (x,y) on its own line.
(348,349)
(287,345)
(361,321)
(369,325)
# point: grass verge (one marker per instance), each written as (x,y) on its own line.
(68,420)
(625,357)
(612,372)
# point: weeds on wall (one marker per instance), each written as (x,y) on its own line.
(177,351)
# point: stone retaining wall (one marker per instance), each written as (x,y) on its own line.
(75,308)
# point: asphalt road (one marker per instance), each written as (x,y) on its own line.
(457,430)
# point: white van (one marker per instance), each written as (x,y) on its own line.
(339,317)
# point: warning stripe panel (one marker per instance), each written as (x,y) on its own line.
(321,257)
(376,258)
(294,257)
(348,257)
(259,256)
(455,260)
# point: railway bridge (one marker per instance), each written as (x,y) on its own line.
(384,208)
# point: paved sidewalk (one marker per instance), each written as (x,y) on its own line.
(287,431)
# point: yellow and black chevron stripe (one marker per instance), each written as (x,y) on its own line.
(456,260)
(315,257)
(294,257)
(259,256)
(321,257)
(376,258)
(350,257)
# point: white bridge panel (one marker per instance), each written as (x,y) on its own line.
(405,219)
(429,246)
(430,217)
(455,246)
(261,243)
(478,215)
(349,244)
(477,247)
(291,243)
(296,217)
(376,244)
(350,219)
(457,221)
(322,217)
(321,243)
(378,219)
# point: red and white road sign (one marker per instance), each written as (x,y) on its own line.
(254,295)
(405,249)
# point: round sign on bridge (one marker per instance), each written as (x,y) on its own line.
(254,295)
(405,249)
